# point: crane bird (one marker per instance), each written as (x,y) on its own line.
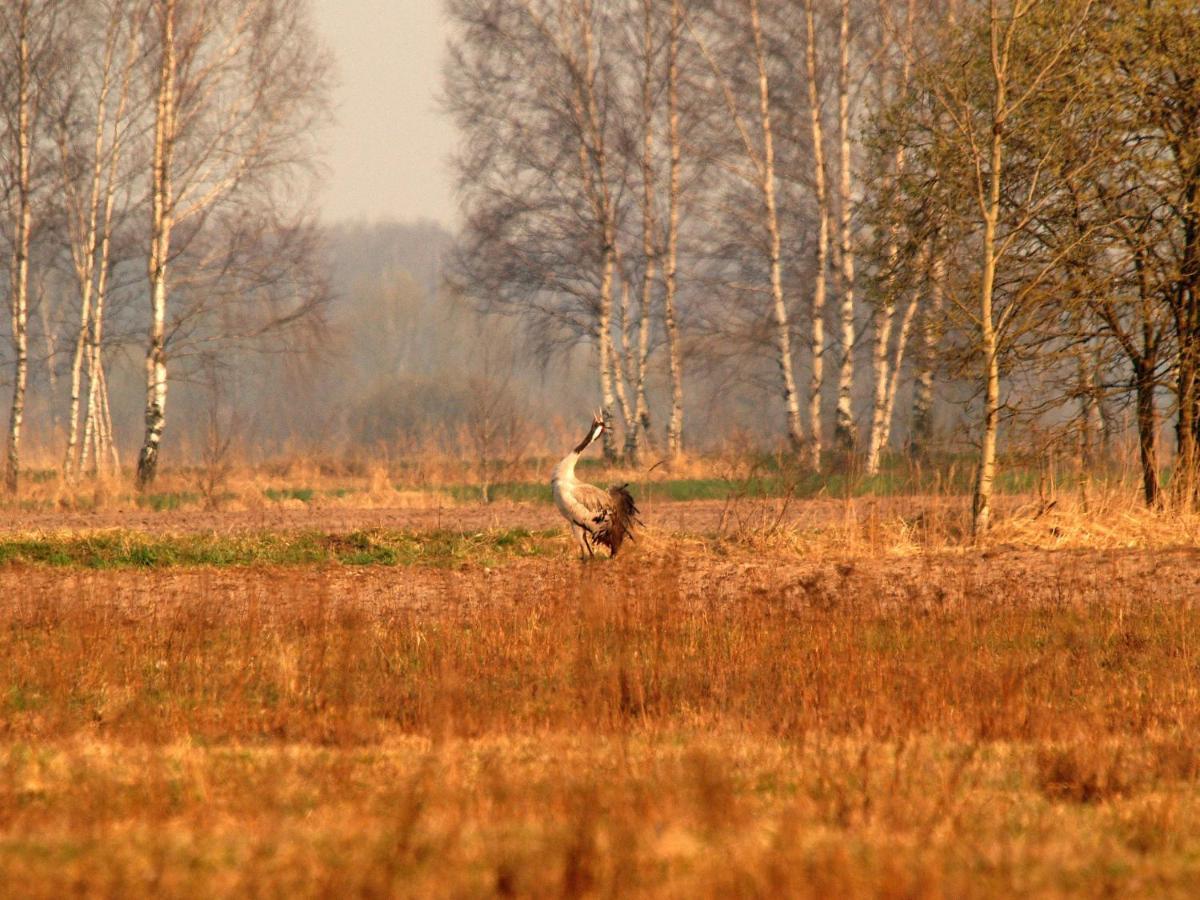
(597,517)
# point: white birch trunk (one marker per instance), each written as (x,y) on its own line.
(879,357)
(90,246)
(70,460)
(641,425)
(84,253)
(885,365)
(623,363)
(110,445)
(982,501)
(886,370)
(604,341)
(879,370)
(922,408)
(779,306)
(593,167)
(604,349)
(19,271)
(106,447)
(845,436)
(821,273)
(96,379)
(88,441)
(160,249)
(675,425)
(97,402)
(893,385)
(98,444)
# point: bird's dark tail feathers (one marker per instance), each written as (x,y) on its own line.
(624,517)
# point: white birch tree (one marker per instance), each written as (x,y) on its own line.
(1006,59)
(929,327)
(239,85)
(845,431)
(886,363)
(91,175)
(530,85)
(821,250)
(757,142)
(671,262)
(29,39)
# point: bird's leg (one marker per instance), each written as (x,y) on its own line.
(580,539)
(587,542)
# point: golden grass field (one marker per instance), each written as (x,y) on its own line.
(814,698)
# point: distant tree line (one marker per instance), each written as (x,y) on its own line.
(876,193)
(153,190)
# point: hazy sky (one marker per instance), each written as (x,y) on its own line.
(389,148)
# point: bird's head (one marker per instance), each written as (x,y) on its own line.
(594,431)
(597,427)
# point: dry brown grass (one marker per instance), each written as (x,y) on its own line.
(363,478)
(696,719)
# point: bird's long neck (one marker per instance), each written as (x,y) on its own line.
(583,445)
(565,470)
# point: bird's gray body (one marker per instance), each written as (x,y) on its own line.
(596,516)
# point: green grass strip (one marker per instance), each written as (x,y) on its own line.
(894,482)
(377,547)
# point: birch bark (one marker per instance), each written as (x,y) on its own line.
(767,173)
(981,504)
(623,362)
(845,436)
(897,365)
(90,225)
(922,407)
(885,371)
(239,90)
(641,425)
(97,385)
(162,222)
(879,368)
(821,273)
(675,425)
(19,268)
(762,166)
(595,160)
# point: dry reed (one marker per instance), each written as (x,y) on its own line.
(698,722)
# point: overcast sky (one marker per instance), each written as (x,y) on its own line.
(388,151)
